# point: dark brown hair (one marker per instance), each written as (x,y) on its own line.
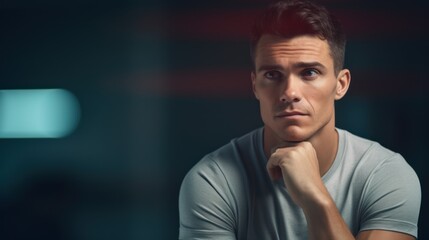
(300,17)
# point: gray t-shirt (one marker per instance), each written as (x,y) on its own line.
(229,195)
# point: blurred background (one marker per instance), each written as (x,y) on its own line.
(136,92)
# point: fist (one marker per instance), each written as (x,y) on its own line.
(299,167)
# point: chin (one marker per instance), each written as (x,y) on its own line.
(293,134)
(294,138)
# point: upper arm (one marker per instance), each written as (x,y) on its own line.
(391,202)
(205,207)
(381,234)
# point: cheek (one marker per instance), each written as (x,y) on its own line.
(266,93)
(321,102)
(266,105)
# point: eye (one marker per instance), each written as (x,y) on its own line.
(310,74)
(273,75)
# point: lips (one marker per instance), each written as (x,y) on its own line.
(289,114)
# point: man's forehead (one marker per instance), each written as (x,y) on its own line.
(306,46)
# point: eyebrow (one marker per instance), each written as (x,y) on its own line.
(269,67)
(295,65)
(309,65)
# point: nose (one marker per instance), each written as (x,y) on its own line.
(290,92)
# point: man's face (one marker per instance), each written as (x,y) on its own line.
(295,83)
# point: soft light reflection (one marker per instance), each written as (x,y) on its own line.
(38,113)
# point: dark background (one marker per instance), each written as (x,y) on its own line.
(160,84)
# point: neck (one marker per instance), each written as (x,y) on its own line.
(326,147)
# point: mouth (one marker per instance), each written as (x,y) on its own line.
(290,114)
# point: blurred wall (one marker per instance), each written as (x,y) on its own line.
(159,85)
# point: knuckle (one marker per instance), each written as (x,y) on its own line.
(306,145)
(293,153)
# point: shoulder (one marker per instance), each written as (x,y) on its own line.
(225,168)
(213,194)
(222,172)
(371,159)
(391,197)
(231,161)
(206,206)
(390,189)
(365,152)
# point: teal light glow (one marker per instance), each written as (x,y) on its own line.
(38,113)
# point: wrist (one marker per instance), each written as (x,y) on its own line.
(318,204)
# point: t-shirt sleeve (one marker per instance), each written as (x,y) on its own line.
(205,204)
(391,198)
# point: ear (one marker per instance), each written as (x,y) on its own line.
(253,77)
(343,83)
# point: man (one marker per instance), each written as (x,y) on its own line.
(299,177)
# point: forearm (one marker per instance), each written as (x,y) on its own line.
(325,222)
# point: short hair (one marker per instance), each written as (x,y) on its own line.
(300,17)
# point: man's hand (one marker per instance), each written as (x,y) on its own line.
(299,166)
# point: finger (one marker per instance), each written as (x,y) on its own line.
(273,167)
(275,173)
